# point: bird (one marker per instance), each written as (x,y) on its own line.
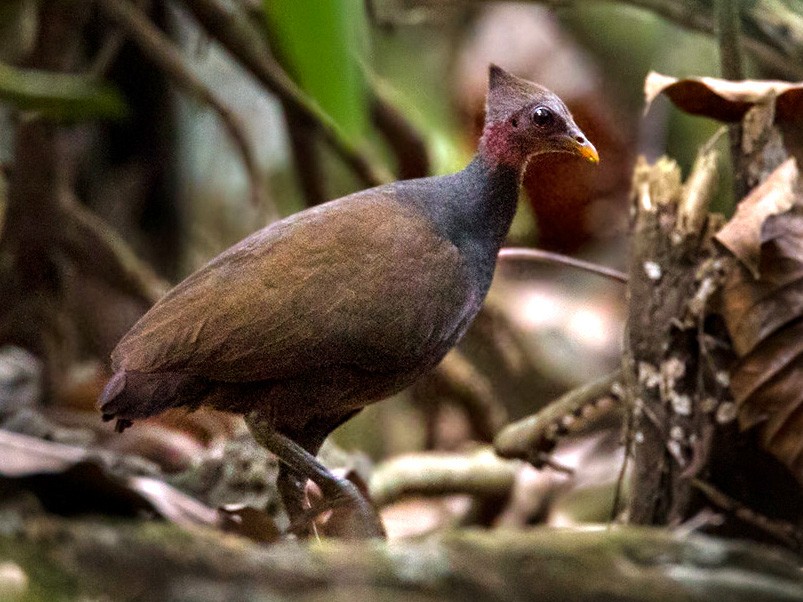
(303,323)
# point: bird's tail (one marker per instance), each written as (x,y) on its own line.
(129,396)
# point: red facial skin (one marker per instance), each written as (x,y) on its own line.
(500,145)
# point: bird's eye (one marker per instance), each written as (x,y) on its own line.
(542,116)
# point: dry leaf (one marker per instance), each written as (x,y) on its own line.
(743,233)
(726,100)
(23,455)
(762,304)
(254,524)
(72,480)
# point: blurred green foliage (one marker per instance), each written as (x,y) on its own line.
(320,42)
(422,88)
(60,96)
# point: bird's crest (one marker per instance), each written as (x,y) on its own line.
(508,93)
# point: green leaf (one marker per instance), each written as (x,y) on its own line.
(60,96)
(319,41)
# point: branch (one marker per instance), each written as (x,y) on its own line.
(728,29)
(161,51)
(404,141)
(245,43)
(458,380)
(306,156)
(97,249)
(479,473)
(79,558)
(730,60)
(557,258)
(530,437)
(781,530)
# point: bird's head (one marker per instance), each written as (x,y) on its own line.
(523,119)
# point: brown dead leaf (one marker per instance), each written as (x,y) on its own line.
(762,304)
(23,455)
(73,480)
(759,306)
(742,235)
(172,504)
(254,524)
(726,100)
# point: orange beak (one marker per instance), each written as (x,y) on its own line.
(585,149)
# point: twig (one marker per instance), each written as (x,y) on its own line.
(624,393)
(728,30)
(783,531)
(96,248)
(158,48)
(244,42)
(306,157)
(527,437)
(457,379)
(109,49)
(402,138)
(480,473)
(557,258)
(730,60)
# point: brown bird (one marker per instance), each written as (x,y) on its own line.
(305,322)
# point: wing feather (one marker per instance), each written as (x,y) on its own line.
(360,281)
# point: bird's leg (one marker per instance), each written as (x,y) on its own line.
(303,464)
(291,487)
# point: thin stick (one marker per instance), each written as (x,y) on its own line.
(730,60)
(404,141)
(624,393)
(785,532)
(728,31)
(306,156)
(109,49)
(523,438)
(557,258)
(161,51)
(101,252)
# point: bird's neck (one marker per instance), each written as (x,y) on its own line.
(472,208)
(488,194)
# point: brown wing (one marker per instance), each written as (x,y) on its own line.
(360,281)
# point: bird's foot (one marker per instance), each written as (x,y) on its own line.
(356,518)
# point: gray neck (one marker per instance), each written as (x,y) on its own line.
(472,208)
